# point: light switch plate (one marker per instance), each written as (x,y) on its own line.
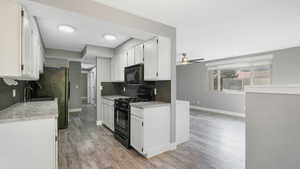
(155,92)
(14,92)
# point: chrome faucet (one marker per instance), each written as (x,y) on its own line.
(26,95)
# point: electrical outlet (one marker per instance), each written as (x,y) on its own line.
(14,93)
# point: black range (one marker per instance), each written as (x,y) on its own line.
(122,119)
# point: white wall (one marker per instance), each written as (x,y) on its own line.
(252,26)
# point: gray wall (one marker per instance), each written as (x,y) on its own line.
(272,131)
(192,81)
(6,98)
(286,66)
(192,85)
(84,84)
(75,85)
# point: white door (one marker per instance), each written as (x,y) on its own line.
(138,54)
(151,60)
(130,57)
(137,133)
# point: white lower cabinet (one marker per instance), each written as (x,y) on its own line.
(30,144)
(108,113)
(150,130)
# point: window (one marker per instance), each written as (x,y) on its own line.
(234,76)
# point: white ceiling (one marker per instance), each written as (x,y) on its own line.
(223,28)
(88,30)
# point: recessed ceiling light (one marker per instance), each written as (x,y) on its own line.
(66,28)
(109,37)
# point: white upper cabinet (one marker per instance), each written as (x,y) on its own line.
(157,59)
(155,54)
(138,54)
(130,57)
(151,59)
(123,64)
(105,69)
(20,44)
(118,64)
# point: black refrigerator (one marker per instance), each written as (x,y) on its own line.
(54,82)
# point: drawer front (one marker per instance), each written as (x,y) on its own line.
(137,112)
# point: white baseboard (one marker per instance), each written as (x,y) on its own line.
(99,123)
(183,140)
(224,112)
(160,149)
(75,110)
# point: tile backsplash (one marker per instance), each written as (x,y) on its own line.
(6,94)
(163,89)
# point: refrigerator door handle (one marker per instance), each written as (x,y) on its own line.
(69,86)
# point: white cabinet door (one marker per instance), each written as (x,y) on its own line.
(105,114)
(38,142)
(111,117)
(130,57)
(164,58)
(117,69)
(27,47)
(10,37)
(150,60)
(113,69)
(138,54)
(104,65)
(36,55)
(137,133)
(19,48)
(123,64)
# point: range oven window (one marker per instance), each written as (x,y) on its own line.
(122,119)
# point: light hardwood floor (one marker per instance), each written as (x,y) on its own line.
(217,142)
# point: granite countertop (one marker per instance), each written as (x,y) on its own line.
(29,111)
(114,97)
(143,105)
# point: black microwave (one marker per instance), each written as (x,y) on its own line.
(134,74)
